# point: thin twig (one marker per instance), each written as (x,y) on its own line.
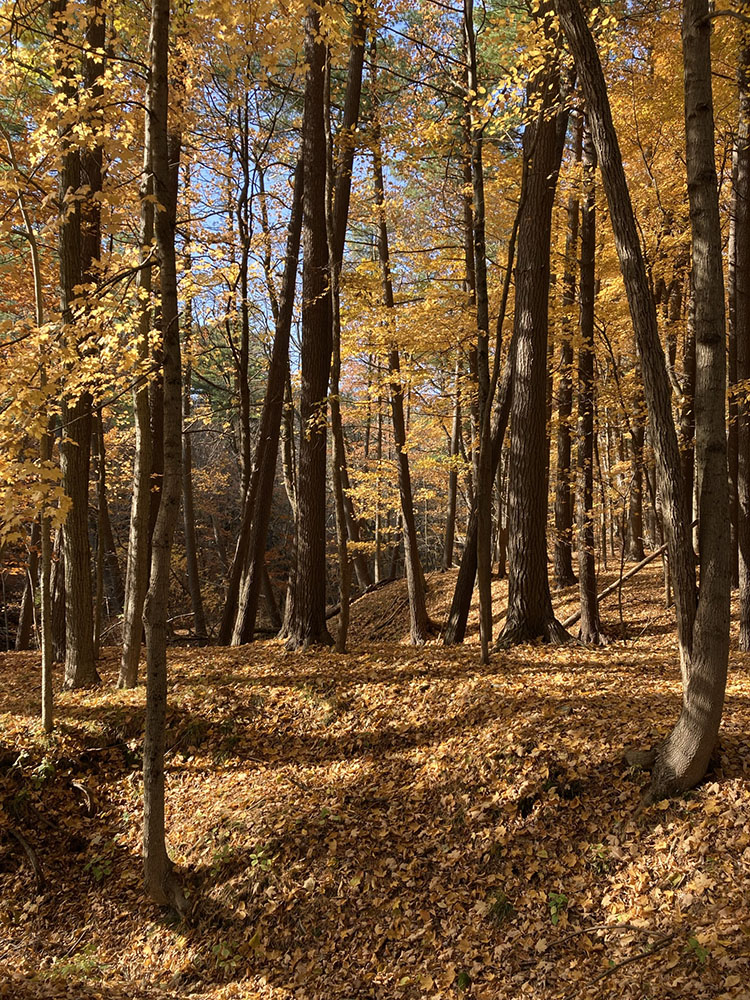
(635,958)
(31,854)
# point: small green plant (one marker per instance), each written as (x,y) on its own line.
(82,965)
(599,861)
(501,908)
(99,867)
(225,956)
(463,981)
(558,903)
(261,858)
(700,953)
(43,772)
(223,854)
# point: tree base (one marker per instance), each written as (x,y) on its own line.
(516,633)
(295,641)
(566,581)
(76,683)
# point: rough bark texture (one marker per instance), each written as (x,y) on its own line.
(742,337)
(160,880)
(683,759)
(243,590)
(421,626)
(308,626)
(136,571)
(75,447)
(563,558)
(703,635)
(530,614)
(590,626)
(643,314)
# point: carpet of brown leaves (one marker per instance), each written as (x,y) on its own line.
(393,823)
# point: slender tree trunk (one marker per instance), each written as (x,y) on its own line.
(450,522)
(421,626)
(160,880)
(308,626)
(26,615)
(732,436)
(590,627)
(563,557)
(137,565)
(241,604)
(742,335)
(188,507)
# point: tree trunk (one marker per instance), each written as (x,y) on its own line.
(26,615)
(241,604)
(137,564)
(703,636)
(308,626)
(742,335)
(450,522)
(590,627)
(160,881)
(563,557)
(732,434)
(188,507)
(530,614)
(421,626)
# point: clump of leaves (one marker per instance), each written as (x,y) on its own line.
(558,903)
(100,866)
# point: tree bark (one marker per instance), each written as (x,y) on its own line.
(308,626)
(563,556)
(26,614)
(703,636)
(530,614)
(590,627)
(160,881)
(742,336)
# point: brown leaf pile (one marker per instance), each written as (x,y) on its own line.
(393,823)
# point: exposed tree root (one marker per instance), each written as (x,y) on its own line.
(515,633)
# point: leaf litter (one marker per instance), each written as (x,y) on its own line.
(392,823)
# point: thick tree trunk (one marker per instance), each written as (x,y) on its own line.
(160,881)
(590,627)
(308,626)
(530,614)
(563,557)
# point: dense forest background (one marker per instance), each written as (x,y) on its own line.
(342,328)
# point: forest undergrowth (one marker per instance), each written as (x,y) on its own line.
(393,823)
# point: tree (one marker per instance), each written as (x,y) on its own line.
(702,626)
(308,625)
(530,614)
(160,880)
(590,628)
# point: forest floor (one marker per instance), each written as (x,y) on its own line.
(393,823)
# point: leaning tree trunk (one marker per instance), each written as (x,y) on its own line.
(590,626)
(160,881)
(308,626)
(703,635)
(530,614)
